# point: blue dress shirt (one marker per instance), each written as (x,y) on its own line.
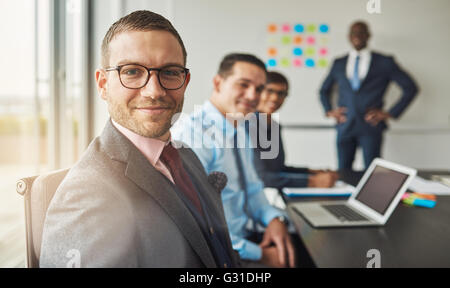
(211,137)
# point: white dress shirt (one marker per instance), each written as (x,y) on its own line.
(364,62)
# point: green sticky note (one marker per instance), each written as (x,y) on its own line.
(311,28)
(284,62)
(322,63)
(409,201)
(286,40)
(310,51)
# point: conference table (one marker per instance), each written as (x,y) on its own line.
(412,237)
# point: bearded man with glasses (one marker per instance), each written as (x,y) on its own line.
(133,199)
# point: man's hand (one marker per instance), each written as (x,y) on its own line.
(283,254)
(338,114)
(322,179)
(270,257)
(374,116)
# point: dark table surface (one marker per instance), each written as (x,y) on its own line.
(412,237)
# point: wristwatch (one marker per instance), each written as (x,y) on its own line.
(283,219)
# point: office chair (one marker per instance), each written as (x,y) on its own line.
(37,191)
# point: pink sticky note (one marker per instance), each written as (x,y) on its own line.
(297,63)
(310,40)
(286,28)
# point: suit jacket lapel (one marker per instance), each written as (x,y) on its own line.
(369,72)
(140,171)
(205,189)
(344,72)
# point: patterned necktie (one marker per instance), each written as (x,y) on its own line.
(356,82)
(171,158)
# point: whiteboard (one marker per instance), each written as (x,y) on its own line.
(414,31)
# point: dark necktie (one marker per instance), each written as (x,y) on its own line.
(171,158)
(242,179)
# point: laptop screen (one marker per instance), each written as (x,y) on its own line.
(381,188)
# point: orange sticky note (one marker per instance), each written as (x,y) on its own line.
(272,28)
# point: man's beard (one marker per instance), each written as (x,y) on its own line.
(150,129)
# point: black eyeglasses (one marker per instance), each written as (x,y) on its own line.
(280,93)
(135,76)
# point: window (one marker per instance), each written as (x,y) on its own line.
(73,103)
(43,100)
(23,114)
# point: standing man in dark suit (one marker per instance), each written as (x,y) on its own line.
(362,77)
(133,199)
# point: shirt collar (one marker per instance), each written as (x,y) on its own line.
(212,113)
(362,53)
(150,147)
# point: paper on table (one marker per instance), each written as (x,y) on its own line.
(340,189)
(274,198)
(424,186)
(444,179)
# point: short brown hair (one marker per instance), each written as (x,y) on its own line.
(229,60)
(141,20)
(275,77)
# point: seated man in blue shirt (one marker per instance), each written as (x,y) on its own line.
(214,132)
(273,171)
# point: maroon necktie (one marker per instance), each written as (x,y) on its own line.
(171,158)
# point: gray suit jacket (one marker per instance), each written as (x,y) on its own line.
(114,209)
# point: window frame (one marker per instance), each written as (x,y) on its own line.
(57,145)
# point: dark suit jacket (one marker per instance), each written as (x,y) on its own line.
(382,71)
(117,210)
(274,172)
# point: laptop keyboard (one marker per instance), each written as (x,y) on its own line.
(344,213)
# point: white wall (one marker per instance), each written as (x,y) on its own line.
(419,148)
(415,31)
(105,13)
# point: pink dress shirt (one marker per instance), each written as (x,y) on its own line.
(150,147)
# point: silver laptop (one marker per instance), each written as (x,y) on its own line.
(375,198)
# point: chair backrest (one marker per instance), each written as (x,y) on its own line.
(38,192)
